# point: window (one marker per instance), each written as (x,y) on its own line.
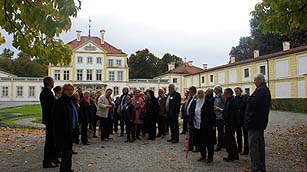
(57,74)
(5,91)
(120,75)
(66,75)
(211,78)
(89,74)
(98,75)
(262,70)
(89,60)
(111,76)
(98,60)
(142,89)
(246,73)
(79,74)
(31,91)
(79,59)
(202,79)
(175,80)
(118,62)
(110,62)
(247,91)
(19,91)
(115,91)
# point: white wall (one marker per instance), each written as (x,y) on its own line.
(233,76)
(221,78)
(282,69)
(301,89)
(302,65)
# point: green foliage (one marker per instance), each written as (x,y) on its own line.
(281,16)
(24,65)
(35,24)
(166,59)
(143,64)
(290,104)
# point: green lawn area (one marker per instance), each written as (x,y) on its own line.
(28,111)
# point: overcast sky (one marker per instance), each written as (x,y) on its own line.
(200,30)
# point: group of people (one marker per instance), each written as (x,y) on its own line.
(68,114)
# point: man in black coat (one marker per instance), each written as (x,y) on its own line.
(256,121)
(47,100)
(207,128)
(190,112)
(173,101)
(232,122)
(65,120)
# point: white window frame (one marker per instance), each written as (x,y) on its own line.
(120,75)
(19,93)
(79,75)
(79,59)
(66,75)
(98,74)
(99,60)
(111,75)
(89,60)
(57,74)
(118,62)
(5,89)
(110,63)
(89,74)
(31,91)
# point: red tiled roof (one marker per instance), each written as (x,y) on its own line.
(185,69)
(106,46)
(263,57)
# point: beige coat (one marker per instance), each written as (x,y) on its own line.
(102,109)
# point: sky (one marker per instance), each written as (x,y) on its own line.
(202,31)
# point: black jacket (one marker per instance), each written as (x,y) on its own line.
(85,111)
(47,102)
(231,114)
(129,113)
(152,109)
(192,112)
(174,104)
(242,102)
(63,120)
(258,108)
(208,118)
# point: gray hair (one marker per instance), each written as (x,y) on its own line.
(172,86)
(219,88)
(260,77)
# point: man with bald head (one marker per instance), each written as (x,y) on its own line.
(173,108)
(256,121)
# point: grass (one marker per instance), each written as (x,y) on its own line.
(28,111)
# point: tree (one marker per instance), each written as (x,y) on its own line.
(244,50)
(281,16)
(143,64)
(35,24)
(168,58)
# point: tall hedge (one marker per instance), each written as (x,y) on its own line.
(290,104)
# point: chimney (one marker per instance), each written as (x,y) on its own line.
(205,66)
(256,53)
(286,45)
(232,59)
(78,35)
(102,36)
(171,66)
(190,63)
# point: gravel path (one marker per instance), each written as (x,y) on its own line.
(286,132)
(5,104)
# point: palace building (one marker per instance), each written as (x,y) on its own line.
(97,65)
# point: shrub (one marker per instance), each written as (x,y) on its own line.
(298,105)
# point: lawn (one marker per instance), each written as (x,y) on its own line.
(9,115)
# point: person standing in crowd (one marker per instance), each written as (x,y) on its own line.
(57,92)
(172,108)
(65,120)
(207,128)
(80,92)
(241,100)
(97,117)
(139,105)
(218,105)
(85,115)
(195,119)
(47,100)
(184,116)
(93,105)
(232,122)
(125,93)
(152,112)
(129,117)
(162,114)
(256,121)
(105,108)
(76,130)
(190,108)
(116,115)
